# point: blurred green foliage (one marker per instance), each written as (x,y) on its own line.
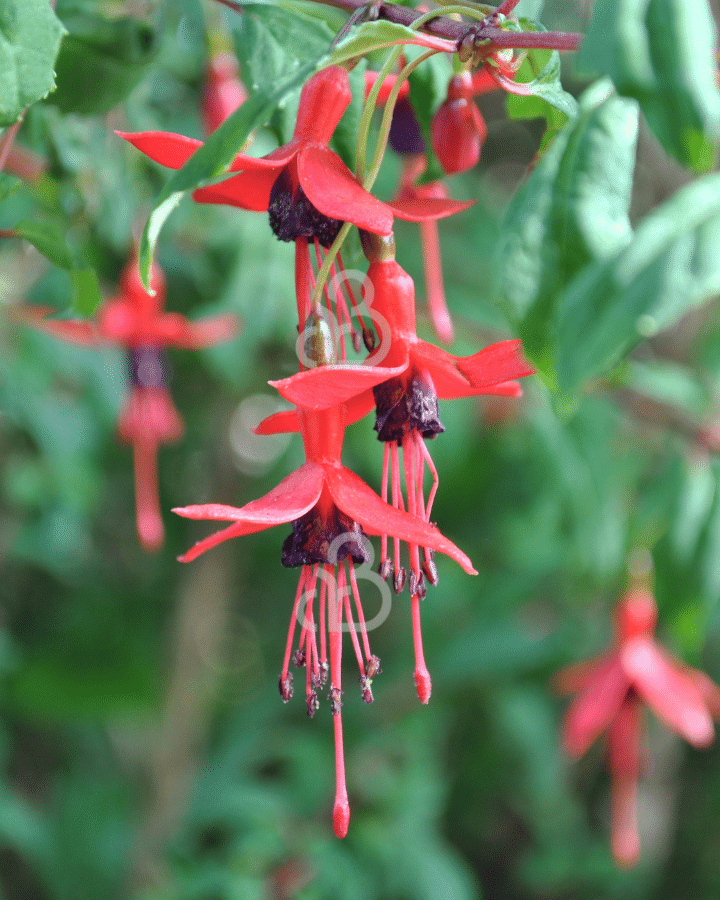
(144,751)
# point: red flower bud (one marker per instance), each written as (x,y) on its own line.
(458,129)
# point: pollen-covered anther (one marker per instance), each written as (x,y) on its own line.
(324,671)
(385,569)
(313,704)
(413,582)
(299,658)
(285,684)
(365,689)
(399,580)
(335,701)
(372,667)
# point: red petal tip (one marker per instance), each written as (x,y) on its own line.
(341,817)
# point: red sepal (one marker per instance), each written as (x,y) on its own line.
(362,504)
(667,690)
(291,499)
(333,189)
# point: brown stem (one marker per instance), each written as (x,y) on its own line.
(442,26)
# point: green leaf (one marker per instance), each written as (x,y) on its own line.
(368,37)
(86,295)
(216,154)
(30,34)
(572,210)
(671,265)
(85,290)
(45,238)
(662,53)
(540,71)
(9,184)
(100,62)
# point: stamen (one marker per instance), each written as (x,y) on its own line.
(344,600)
(341,808)
(358,606)
(367,332)
(408,450)
(343,314)
(397,502)
(286,677)
(385,564)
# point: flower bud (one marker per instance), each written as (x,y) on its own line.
(458,129)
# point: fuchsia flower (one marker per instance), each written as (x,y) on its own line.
(137,321)
(304,186)
(611,689)
(403,379)
(330,510)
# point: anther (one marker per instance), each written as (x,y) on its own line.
(286,686)
(335,701)
(385,569)
(313,704)
(431,572)
(399,582)
(299,658)
(367,694)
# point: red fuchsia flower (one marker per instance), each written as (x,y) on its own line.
(304,186)
(402,379)
(224,92)
(611,690)
(137,321)
(458,129)
(331,510)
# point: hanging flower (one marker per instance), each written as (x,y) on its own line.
(331,510)
(402,379)
(136,320)
(304,186)
(611,690)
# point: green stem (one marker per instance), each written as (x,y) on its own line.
(382,140)
(324,271)
(367,114)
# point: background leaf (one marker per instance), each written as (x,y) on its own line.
(662,53)
(572,210)
(670,266)
(100,62)
(30,35)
